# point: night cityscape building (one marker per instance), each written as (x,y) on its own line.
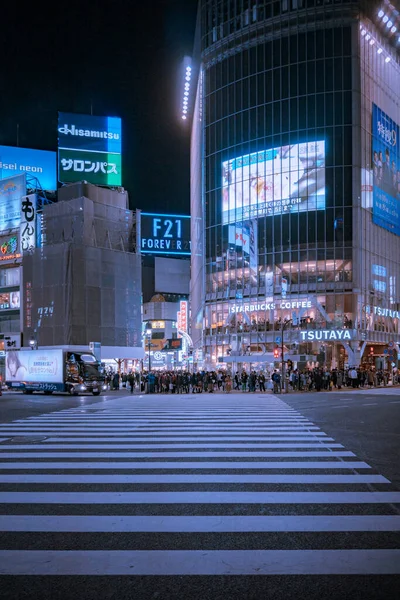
(295,182)
(83,284)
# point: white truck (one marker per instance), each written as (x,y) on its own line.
(54,370)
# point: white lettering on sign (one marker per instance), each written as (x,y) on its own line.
(283,305)
(325,334)
(386,312)
(72,130)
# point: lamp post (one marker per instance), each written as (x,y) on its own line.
(284,325)
(148,332)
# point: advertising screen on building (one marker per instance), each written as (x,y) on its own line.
(386,171)
(165,234)
(89,149)
(11,191)
(35,366)
(271,182)
(38,163)
(9,300)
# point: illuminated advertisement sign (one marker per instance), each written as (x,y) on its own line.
(89,149)
(34,366)
(326,335)
(28,222)
(271,182)
(182,316)
(264,305)
(173,344)
(39,163)
(165,234)
(386,171)
(10,300)
(11,191)
(9,247)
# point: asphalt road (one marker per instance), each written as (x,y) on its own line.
(200,497)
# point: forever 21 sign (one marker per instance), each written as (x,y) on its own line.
(165,234)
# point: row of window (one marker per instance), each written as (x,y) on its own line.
(224,18)
(259,59)
(312,89)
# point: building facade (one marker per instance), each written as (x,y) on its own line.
(296,182)
(83,284)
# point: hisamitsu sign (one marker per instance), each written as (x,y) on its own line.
(89,148)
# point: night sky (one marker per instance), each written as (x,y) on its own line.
(120,59)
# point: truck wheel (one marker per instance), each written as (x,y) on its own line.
(96,393)
(28,391)
(48,392)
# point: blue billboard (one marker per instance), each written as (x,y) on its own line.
(89,148)
(39,163)
(386,171)
(165,234)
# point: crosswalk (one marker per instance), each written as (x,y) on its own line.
(178,486)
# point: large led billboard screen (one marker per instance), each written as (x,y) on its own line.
(89,149)
(165,234)
(11,191)
(386,171)
(38,163)
(275,181)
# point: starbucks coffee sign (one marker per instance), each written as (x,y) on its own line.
(335,335)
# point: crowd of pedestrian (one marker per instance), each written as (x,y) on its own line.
(310,379)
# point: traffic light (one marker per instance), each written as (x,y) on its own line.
(276,353)
(371,350)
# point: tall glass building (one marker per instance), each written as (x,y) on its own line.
(295,195)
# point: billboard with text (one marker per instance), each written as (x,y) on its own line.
(37,163)
(89,149)
(165,234)
(386,171)
(273,182)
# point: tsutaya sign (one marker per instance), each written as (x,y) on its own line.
(383,312)
(283,304)
(326,334)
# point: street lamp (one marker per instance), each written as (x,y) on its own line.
(33,342)
(148,332)
(284,325)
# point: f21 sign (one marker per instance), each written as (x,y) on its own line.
(165,234)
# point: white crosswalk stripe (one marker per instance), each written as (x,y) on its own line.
(217,467)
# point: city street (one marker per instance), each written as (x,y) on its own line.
(246,496)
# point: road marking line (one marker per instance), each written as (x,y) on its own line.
(191,479)
(185,465)
(214,524)
(199,562)
(182,454)
(128,446)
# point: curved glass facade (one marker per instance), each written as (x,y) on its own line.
(290,238)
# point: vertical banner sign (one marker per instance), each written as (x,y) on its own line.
(183,316)
(386,171)
(28,223)
(284,287)
(253,247)
(178,322)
